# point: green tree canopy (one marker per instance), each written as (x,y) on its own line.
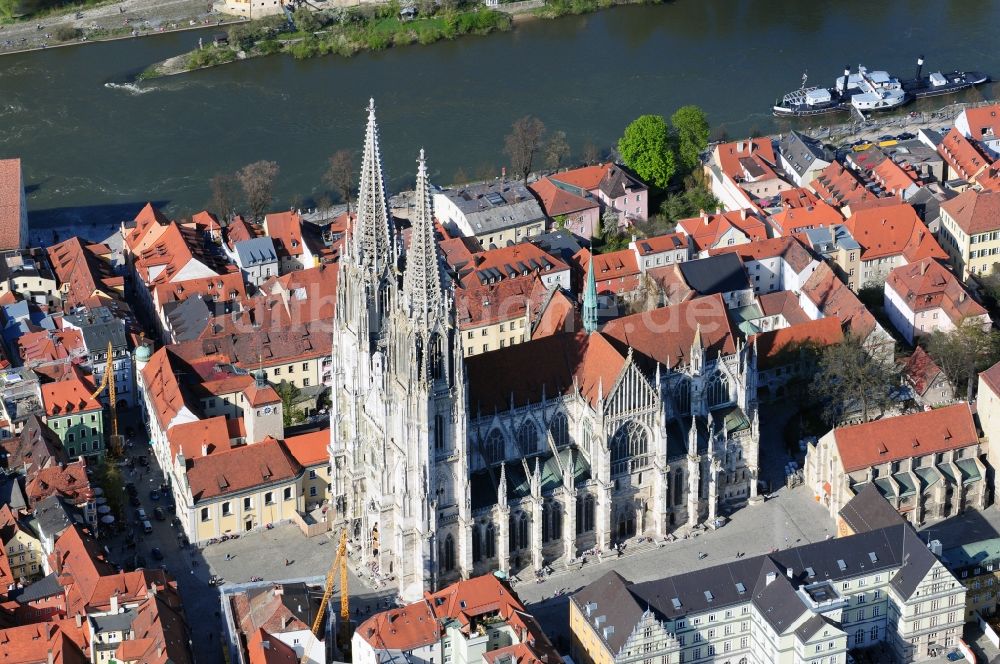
(851,377)
(646,149)
(691,131)
(963,352)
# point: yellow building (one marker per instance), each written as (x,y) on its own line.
(977,566)
(970,231)
(21,546)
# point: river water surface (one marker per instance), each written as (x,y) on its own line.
(94,149)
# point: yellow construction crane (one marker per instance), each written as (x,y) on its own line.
(108,383)
(338,568)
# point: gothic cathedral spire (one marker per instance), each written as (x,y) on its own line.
(422,281)
(373,239)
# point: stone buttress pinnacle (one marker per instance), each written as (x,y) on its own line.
(590,300)
(422,281)
(373,242)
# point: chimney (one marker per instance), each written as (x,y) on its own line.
(78,619)
(923,268)
(204,449)
(739,146)
(961,296)
(743,214)
(114,603)
(789,573)
(51,658)
(771,576)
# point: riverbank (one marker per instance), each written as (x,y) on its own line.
(112,21)
(353,31)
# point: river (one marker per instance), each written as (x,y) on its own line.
(94,150)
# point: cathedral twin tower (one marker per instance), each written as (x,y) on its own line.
(445,467)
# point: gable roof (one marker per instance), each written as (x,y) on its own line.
(963,156)
(869,510)
(891,231)
(722,273)
(285,229)
(793,220)
(708,229)
(560,363)
(240,468)
(778,347)
(667,334)
(789,249)
(559,198)
(928,285)
(975,211)
(921,371)
(896,438)
(833,298)
(68,397)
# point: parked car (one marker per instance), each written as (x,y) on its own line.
(154,495)
(147,527)
(140,514)
(156,553)
(159,514)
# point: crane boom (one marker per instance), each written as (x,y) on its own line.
(339,565)
(108,383)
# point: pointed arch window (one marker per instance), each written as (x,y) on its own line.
(448,559)
(629,448)
(477,548)
(527,438)
(579,515)
(588,437)
(439,432)
(682,395)
(491,542)
(718,390)
(546,517)
(493,448)
(588,514)
(559,427)
(522,531)
(556,521)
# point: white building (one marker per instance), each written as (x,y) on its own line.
(924,297)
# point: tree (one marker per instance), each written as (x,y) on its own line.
(645,148)
(691,131)
(225,195)
(340,175)
(460,176)
(257,181)
(522,144)
(556,150)
(590,153)
(306,21)
(963,352)
(850,375)
(289,393)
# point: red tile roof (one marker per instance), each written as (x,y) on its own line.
(515,260)
(728,155)
(262,648)
(708,229)
(195,439)
(507,300)
(558,363)
(587,177)
(975,211)
(895,178)
(310,449)
(11,191)
(833,298)
(84,271)
(559,200)
(661,243)
(61,640)
(221,287)
(785,303)
(162,387)
(927,285)
(991,377)
(68,397)
(51,346)
(787,248)
(667,334)
(797,197)
(240,468)
(796,220)
(921,370)
(616,272)
(897,438)
(779,347)
(963,156)
(984,122)
(159,632)
(892,231)
(69,481)
(285,229)
(149,225)
(840,187)
(557,315)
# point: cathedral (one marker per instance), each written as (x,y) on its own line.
(445,466)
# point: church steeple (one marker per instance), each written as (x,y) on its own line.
(422,281)
(373,241)
(590,300)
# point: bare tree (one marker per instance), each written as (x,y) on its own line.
(522,144)
(340,175)
(556,150)
(591,155)
(460,176)
(225,195)
(257,180)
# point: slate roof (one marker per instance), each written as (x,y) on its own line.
(801,151)
(831,560)
(869,510)
(99,325)
(47,586)
(256,251)
(716,274)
